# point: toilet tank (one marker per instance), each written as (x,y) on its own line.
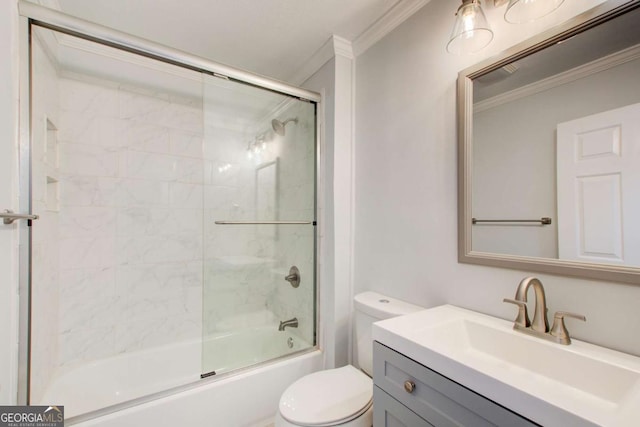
(370,307)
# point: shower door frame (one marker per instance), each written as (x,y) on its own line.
(34,15)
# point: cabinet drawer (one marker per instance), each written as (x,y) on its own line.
(388,412)
(435,398)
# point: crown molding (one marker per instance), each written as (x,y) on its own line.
(51,4)
(593,67)
(399,13)
(334,46)
(342,47)
(338,46)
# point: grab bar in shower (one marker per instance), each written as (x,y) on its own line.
(543,221)
(264,222)
(8,216)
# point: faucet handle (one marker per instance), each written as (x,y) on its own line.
(522,320)
(559,330)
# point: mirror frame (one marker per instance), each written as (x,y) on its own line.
(593,271)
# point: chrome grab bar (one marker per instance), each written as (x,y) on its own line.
(263,222)
(544,220)
(9,216)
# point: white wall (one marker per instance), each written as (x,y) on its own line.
(335,80)
(8,200)
(406,189)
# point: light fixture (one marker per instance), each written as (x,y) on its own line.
(521,11)
(257,146)
(471,31)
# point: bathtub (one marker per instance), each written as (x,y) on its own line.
(233,350)
(164,382)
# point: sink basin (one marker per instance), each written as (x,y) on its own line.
(551,384)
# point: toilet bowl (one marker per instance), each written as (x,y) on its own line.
(335,397)
(342,397)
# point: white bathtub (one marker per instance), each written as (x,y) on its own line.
(130,376)
(232,350)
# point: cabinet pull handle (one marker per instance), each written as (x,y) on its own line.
(409,386)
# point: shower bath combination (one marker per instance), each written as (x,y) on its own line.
(159,281)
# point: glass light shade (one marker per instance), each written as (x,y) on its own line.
(471,31)
(520,11)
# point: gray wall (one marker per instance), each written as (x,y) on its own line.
(406,209)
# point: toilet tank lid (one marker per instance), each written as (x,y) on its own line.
(381,306)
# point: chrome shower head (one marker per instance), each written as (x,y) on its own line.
(278,126)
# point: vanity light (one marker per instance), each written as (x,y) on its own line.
(471,31)
(257,146)
(520,11)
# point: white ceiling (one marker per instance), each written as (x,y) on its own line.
(274,38)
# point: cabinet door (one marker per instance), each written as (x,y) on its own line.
(388,412)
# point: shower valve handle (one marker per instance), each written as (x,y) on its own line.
(293,277)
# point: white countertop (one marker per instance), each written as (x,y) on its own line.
(548,383)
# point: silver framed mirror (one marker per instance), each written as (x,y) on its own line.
(549,151)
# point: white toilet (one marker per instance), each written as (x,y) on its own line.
(342,396)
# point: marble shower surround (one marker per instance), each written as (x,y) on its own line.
(296,200)
(245,266)
(130,228)
(45,274)
(139,194)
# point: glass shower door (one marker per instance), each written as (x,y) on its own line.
(117,178)
(259,250)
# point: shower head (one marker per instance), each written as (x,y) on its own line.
(278,126)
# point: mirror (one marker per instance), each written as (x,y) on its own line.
(549,151)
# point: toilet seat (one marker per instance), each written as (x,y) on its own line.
(327,398)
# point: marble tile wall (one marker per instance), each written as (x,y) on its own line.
(296,201)
(133,248)
(131,219)
(238,259)
(245,266)
(45,271)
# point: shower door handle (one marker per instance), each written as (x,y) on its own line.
(8,216)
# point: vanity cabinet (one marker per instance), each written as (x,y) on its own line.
(407,393)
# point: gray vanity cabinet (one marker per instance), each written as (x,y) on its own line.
(409,394)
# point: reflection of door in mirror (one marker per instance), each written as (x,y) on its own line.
(514,152)
(515,110)
(597,174)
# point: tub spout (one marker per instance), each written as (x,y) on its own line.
(291,323)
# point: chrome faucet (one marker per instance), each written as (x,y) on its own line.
(539,327)
(291,323)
